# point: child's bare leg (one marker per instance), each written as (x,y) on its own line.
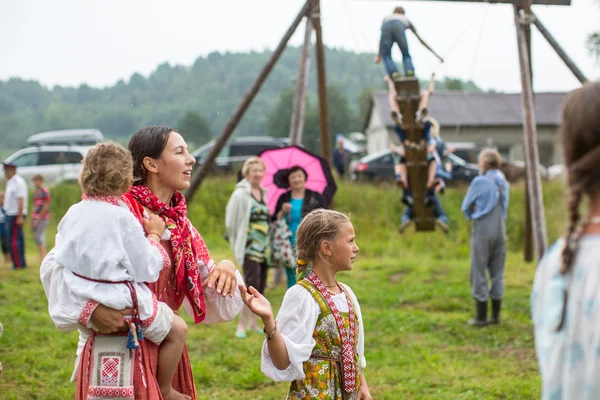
(403,174)
(243,321)
(431,174)
(42,250)
(425,94)
(392,94)
(253,324)
(169,356)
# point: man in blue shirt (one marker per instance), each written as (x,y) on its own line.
(486,204)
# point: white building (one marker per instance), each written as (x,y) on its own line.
(486,119)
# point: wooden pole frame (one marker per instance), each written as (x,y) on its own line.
(534,187)
(528,251)
(559,50)
(243,106)
(299,107)
(315,14)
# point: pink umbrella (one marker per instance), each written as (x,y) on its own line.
(279,161)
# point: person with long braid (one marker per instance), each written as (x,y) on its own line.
(565,301)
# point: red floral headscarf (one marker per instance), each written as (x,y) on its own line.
(187,246)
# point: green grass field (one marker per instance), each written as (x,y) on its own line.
(413,290)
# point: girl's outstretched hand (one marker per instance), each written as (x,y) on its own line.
(256,302)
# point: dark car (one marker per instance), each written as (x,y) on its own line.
(238,150)
(379,166)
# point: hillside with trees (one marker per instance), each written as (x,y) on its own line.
(197,99)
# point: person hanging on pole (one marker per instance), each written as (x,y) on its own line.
(393,30)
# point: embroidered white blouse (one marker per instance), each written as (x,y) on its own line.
(569,359)
(104,241)
(296,322)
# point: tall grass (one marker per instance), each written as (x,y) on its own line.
(413,291)
(375,212)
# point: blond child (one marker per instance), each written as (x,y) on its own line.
(317,341)
(110,259)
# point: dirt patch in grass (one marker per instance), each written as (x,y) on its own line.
(439,275)
(398,276)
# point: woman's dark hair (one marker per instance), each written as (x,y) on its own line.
(296,168)
(580,136)
(147,142)
(399,10)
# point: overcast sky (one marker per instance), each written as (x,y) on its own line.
(98,42)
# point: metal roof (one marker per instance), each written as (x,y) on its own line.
(480,109)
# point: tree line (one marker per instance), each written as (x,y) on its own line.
(197,99)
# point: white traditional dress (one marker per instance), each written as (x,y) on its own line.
(569,359)
(312,339)
(98,241)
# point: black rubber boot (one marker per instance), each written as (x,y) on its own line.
(496,305)
(480,319)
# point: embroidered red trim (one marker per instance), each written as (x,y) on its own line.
(163,253)
(107,199)
(147,322)
(86,312)
(108,392)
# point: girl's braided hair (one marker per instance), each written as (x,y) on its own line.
(580,136)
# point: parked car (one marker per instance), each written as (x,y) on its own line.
(380,166)
(555,171)
(514,170)
(467,151)
(55,155)
(238,150)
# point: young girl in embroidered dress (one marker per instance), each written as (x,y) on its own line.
(317,341)
(104,247)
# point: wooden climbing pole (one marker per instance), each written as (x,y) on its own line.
(408,98)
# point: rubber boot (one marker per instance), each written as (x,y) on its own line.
(480,319)
(496,305)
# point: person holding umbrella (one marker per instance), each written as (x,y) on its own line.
(247,229)
(293,206)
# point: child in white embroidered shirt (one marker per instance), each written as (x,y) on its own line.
(317,342)
(103,245)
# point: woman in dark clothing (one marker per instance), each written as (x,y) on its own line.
(294,204)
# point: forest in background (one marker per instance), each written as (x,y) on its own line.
(198,99)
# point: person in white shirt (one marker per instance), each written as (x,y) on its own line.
(110,258)
(15,207)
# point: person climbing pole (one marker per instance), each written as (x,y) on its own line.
(393,30)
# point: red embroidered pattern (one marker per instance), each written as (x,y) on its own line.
(110,370)
(86,312)
(163,253)
(186,243)
(347,335)
(107,199)
(108,392)
(147,322)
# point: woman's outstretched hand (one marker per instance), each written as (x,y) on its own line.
(256,302)
(222,278)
